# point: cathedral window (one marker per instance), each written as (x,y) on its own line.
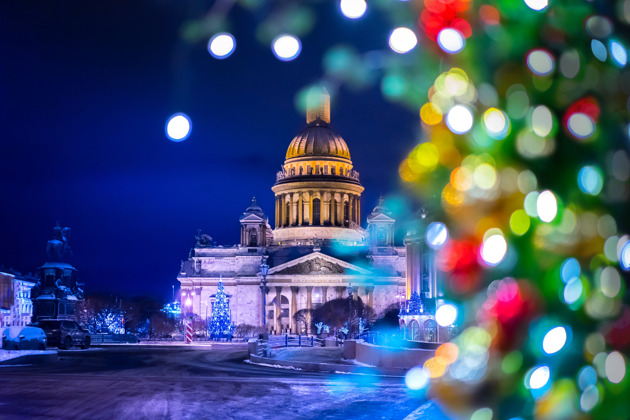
(316,211)
(381,237)
(253,237)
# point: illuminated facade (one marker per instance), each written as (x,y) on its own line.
(16,307)
(317,250)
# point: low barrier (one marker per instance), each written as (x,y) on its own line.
(386,357)
(113,338)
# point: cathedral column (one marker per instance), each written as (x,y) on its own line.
(309,306)
(325,209)
(294,208)
(292,323)
(332,209)
(310,211)
(306,208)
(277,212)
(300,210)
(370,292)
(324,294)
(277,309)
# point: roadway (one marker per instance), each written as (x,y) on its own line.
(165,382)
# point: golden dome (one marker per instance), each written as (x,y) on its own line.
(318,139)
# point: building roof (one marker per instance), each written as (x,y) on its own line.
(318,140)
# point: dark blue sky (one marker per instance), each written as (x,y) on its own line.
(86,88)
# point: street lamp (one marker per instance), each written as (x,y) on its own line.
(264,270)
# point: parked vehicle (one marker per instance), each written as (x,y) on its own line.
(23,338)
(65,334)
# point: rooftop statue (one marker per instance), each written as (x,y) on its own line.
(58,246)
(203,239)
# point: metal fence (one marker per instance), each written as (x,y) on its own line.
(288,340)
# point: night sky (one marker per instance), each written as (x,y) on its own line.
(86,90)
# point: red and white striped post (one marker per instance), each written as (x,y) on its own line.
(189,331)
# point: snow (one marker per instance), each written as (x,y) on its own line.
(12,354)
(429,410)
(273,366)
(29,333)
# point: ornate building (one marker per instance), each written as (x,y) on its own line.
(317,251)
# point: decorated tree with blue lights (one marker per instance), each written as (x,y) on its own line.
(523,157)
(415,304)
(220,324)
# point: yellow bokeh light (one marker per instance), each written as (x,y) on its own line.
(485,176)
(424,158)
(435,366)
(405,172)
(452,197)
(519,222)
(431,114)
(448,352)
(462,178)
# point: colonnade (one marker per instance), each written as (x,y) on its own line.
(317,208)
(339,290)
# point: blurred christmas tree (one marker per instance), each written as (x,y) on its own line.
(220,325)
(415,304)
(523,154)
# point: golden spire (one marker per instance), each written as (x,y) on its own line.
(318,105)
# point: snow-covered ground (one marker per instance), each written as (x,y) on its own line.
(12,354)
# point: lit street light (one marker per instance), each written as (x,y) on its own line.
(264,270)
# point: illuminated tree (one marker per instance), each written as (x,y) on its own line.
(220,325)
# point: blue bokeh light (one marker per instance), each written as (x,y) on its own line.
(178,127)
(437,235)
(599,50)
(618,53)
(590,180)
(570,270)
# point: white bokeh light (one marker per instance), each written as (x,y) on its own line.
(286,47)
(537,4)
(416,378)
(451,40)
(178,127)
(446,315)
(580,125)
(615,367)
(402,40)
(539,377)
(547,206)
(540,62)
(437,235)
(554,340)
(353,9)
(493,250)
(459,119)
(221,45)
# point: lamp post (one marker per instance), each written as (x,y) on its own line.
(264,270)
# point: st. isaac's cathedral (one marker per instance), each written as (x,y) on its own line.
(317,250)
